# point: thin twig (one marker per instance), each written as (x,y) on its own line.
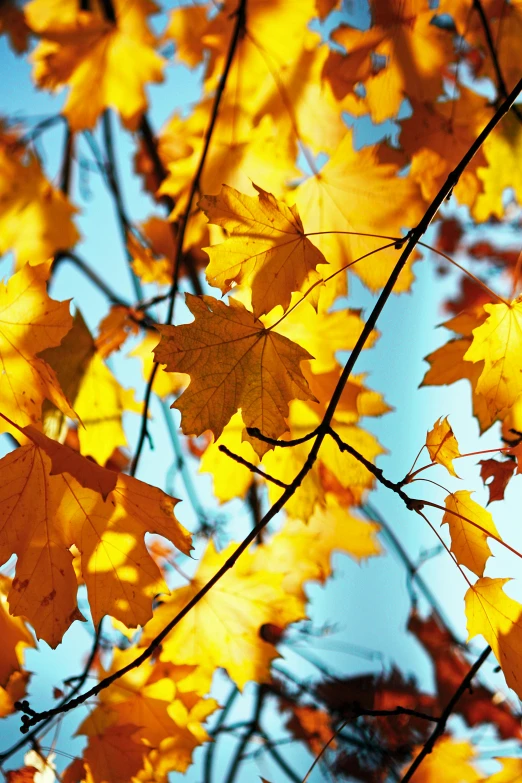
(279,760)
(252,468)
(284,444)
(74,258)
(79,685)
(180,238)
(323,751)
(396,711)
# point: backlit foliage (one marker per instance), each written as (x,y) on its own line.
(326,154)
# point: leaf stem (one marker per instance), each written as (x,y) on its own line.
(473,277)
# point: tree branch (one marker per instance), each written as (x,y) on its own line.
(441,723)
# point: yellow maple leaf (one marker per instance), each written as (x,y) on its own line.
(468,542)
(497,617)
(106,63)
(223,628)
(437,136)
(356,192)
(502,150)
(30,322)
(334,470)
(146,266)
(35,217)
(442,445)
(448,365)
(498,343)
(234,363)
(186,27)
(237,155)
(267,248)
(51,499)
(100,404)
(450,761)
(302,550)
(277,71)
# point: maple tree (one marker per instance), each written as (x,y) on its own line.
(271,248)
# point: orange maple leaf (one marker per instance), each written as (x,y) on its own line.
(233,362)
(469,542)
(442,445)
(106,63)
(52,498)
(268,249)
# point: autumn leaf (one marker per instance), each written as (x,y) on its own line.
(302,550)
(497,617)
(186,28)
(167,716)
(50,503)
(498,343)
(35,217)
(234,363)
(469,542)
(397,28)
(481,705)
(15,634)
(502,150)
(114,754)
(223,628)
(30,322)
(13,24)
(229,480)
(500,473)
(511,771)
(450,761)
(356,192)
(448,365)
(105,62)
(98,398)
(442,445)
(117,326)
(267,248)
(146,266)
